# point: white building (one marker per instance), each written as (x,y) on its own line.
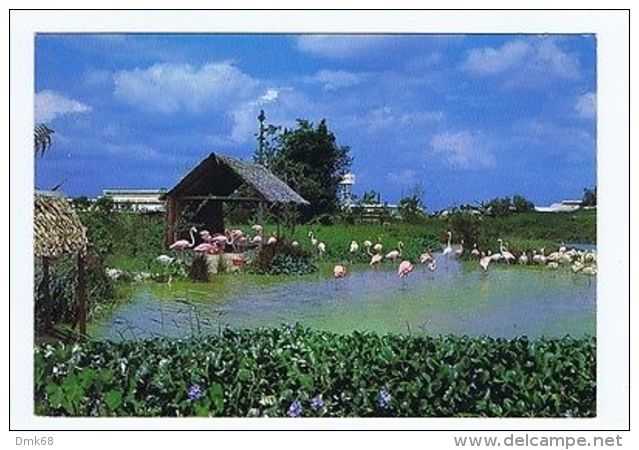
(140,200)
(564,206)
(345,192)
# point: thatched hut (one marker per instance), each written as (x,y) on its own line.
(216,180)
(57,231)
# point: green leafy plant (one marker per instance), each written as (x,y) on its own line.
(295,371)
(282,258)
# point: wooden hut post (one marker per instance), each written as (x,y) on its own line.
(81,296)
(172,217)
(46,287)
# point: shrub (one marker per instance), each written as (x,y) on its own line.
(298,371)
(199,269)
(282,258)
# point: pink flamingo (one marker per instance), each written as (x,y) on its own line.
(394,254)
(182,244)
(484,261)
(404,269)
(425,258)
(339,271)
(376,260)
(205,247)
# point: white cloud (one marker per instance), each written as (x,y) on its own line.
(462,150)
(340,46)
(490,60)
(132,151)
(403,177)
(385,118)
(332,80)
(50,104)
(525,62)
(171,88)
(586,105)
(282,103)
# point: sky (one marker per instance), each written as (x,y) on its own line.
(466,117)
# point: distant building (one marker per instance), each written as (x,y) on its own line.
(564,206)
(345,190)
(140,200)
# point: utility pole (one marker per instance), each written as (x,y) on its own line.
(261,157)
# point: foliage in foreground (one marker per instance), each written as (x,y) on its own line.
(294,371)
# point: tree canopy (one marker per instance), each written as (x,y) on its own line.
(309,159)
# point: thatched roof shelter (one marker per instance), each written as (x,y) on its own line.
(219,175)
(56,227)
(57,231)
(215,180)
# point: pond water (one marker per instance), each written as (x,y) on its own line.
(458,299)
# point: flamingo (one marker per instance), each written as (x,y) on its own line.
(182,244)
(484,262)
(205,247)
(504,252)
(425,258)
(376,260)
(339,271)
(295,244)
(523,259)
(256,239)
(404,269)
(271,240)
(378,247)
(449,249)
(257,228)
(539,258)
(164,260)
(321,248)
(432,266)
(460,250)
(394,254)
(474,251)
(353,248)
(553,265)
(367,243)
(205,236)
(313,239)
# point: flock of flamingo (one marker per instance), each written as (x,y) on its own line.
(237,241)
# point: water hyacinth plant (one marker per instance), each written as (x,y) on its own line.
(297,371)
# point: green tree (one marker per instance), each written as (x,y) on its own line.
(590,197)
(412,206)
(498,207)
(522,204)
(309,159)
(370,197)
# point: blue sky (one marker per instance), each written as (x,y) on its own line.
(470,117)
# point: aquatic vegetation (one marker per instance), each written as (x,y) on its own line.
(295,371)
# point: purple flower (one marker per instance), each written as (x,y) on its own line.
(384,398)
(295,410)
(317,402)
(195,392)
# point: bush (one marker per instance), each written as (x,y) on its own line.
(265,372)
(282,258)
(199,269)
(465,225)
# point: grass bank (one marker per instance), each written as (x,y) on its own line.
(132,241)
